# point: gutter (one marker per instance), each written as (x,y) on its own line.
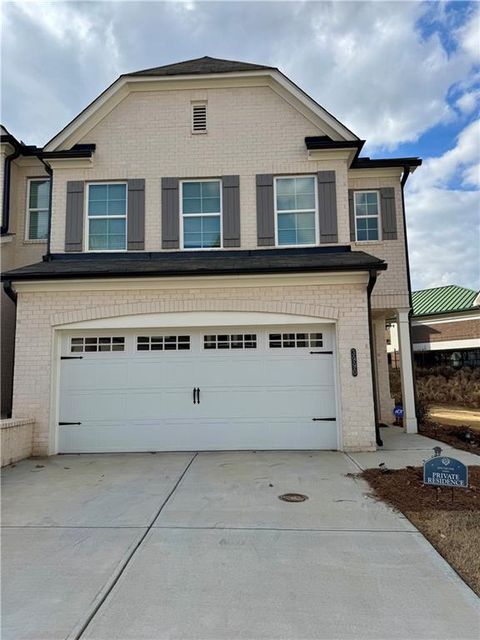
(371,283)
(406,173)
(6,189)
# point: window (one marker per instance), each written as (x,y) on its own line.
(38,208)
(234,341)
(163,343)
(80,345)
(296,210)
(292,340)
(107,217)
(366,215)
(199,118)
(201,214)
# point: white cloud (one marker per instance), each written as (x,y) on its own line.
(366,62)
(443,223)
(467,103)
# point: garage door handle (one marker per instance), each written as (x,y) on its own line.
(198,395)
(194,395)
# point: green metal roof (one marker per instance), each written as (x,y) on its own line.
(451,298)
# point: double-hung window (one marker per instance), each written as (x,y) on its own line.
(296,210)
(107,216)
(37,210)
(367,213)
(201,212)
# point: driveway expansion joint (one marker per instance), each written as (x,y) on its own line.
(130,556)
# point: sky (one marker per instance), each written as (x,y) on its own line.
(405,76)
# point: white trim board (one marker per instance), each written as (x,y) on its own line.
(468,343)
(185,282)
(195,319)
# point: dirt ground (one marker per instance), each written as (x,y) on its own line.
(455,416)
(452,526)
(463,438)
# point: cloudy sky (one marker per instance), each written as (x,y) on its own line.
(403,75)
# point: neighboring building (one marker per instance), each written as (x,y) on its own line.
(220,266)
(23,239)
(446,327)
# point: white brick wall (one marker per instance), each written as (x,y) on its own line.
(38,313)
(252,130)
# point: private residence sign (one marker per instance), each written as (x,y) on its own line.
(442,471)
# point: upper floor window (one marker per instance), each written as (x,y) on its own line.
(38,206)
(296,210)
(201,214)
(107,216)
(367,209)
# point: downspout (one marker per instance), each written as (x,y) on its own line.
(49,170)
(406,173)
(7,287)
(371,283)
(6,190)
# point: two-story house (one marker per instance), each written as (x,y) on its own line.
(219,266)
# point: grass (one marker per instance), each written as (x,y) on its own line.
(452,527)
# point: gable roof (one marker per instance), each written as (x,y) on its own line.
(448,299)
(206,64)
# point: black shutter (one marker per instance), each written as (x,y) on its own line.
(170,213)
(74,216)
(231,210)
(388,213)
(136,215)
(265,211)
(327,206)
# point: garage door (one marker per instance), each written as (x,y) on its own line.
(198,389)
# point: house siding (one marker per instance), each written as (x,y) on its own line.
(38,314)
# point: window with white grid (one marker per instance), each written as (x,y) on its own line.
(294,340)
(96,343)
(230,341)
(163,343)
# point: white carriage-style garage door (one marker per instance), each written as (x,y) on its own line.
(198,389)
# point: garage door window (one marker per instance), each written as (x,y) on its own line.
(95,344)
(232,341)
(163,343)
(295,340)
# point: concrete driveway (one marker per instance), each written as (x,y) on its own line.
(198,546)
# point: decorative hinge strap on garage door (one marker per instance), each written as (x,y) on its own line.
(63,424)
(318,353)
(71,357)
(323,419)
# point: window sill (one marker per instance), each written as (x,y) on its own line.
(34,242)
(362,243)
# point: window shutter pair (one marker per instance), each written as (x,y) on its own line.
(388,215)
(135,215)
(171,212)
(327,208)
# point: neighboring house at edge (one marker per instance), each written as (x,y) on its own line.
(218,268)
(445,327)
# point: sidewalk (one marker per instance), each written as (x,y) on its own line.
(401,449)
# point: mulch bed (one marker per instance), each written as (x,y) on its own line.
(404,490)
(459,437)
(451,526)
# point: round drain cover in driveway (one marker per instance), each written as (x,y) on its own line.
(293,497)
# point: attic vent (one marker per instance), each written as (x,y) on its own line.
(199,118)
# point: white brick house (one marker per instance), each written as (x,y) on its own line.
(218,268)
